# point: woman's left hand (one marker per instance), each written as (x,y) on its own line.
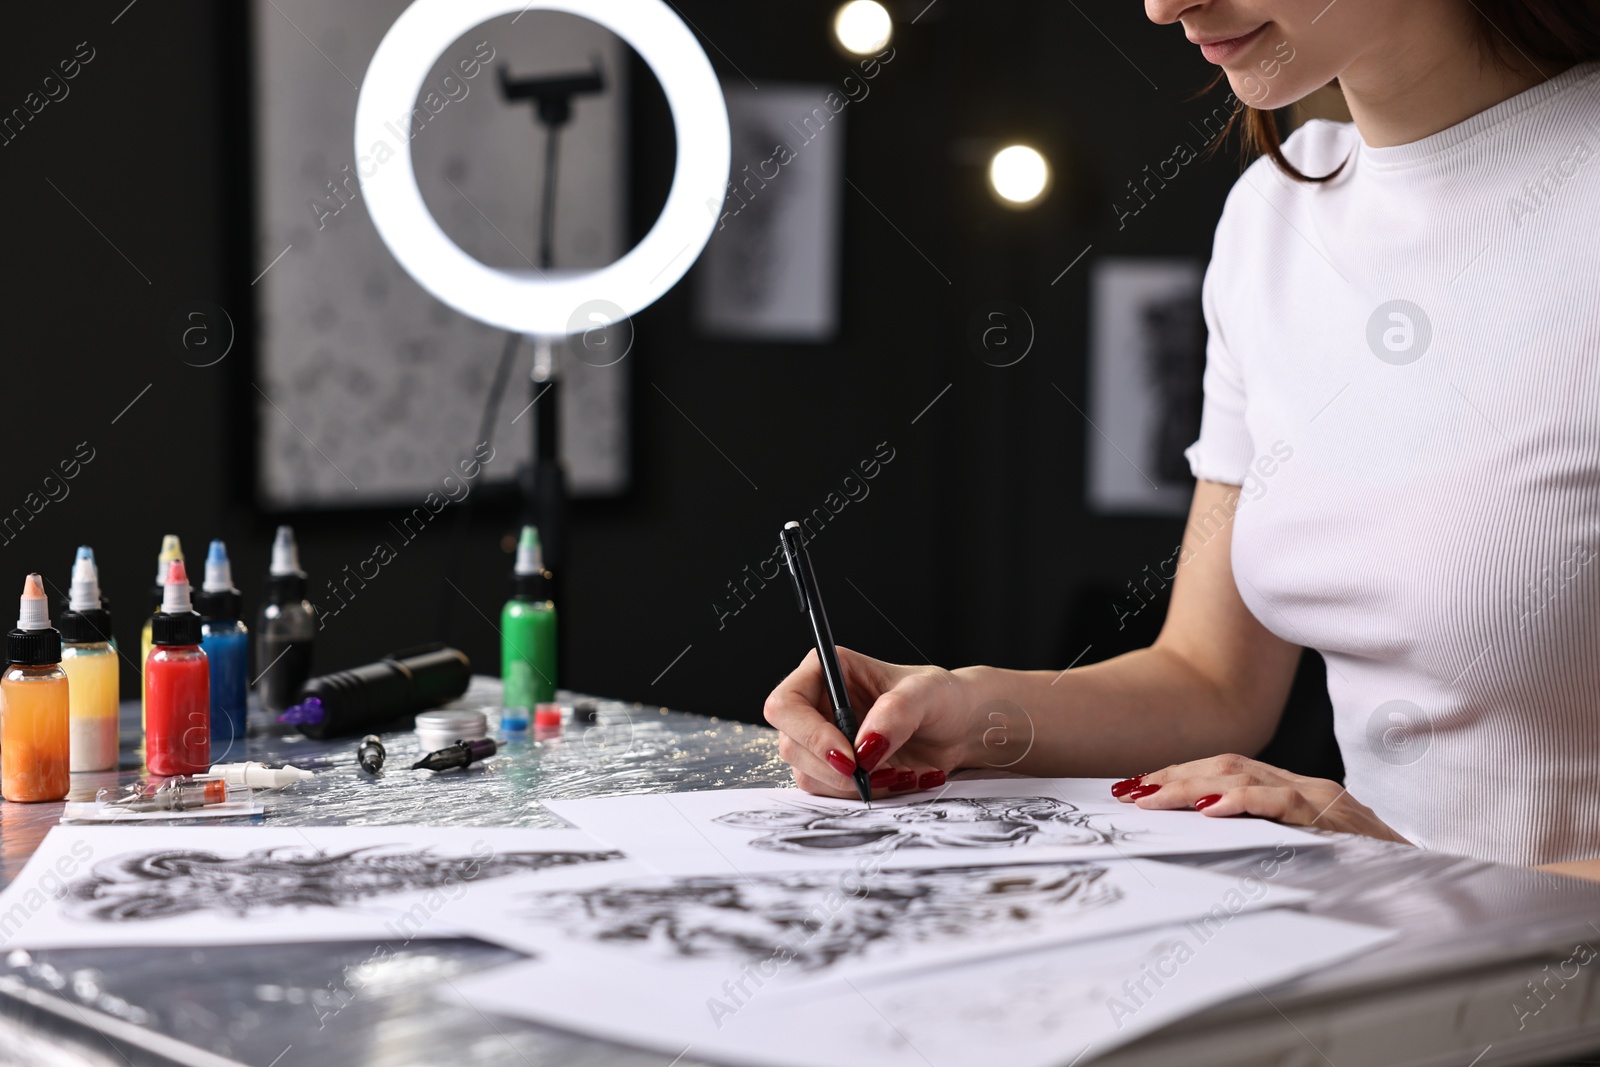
(1233,785)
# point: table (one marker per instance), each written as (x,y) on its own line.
(1473,935)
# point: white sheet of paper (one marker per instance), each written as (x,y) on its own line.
(106,886)
(1047,1008)
(813,926)
(968,823)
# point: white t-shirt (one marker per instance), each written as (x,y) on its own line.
(1403,373)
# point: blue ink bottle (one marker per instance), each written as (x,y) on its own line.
(226,642)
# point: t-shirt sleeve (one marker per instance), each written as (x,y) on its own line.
(1223,451)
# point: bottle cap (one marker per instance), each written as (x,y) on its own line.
(285,553)
(84,592)
(85,621)
(177,623)
(34,613)
(529,579)
(33,643)
(86,627)
(530,555)
(218,599)
(219,573)
(285,579)
(171,549)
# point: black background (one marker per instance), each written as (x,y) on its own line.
(974,544)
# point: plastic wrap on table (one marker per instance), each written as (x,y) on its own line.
(346,1004)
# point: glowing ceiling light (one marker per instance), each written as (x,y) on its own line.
(863,27)
(1019,175)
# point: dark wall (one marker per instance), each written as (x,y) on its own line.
(973,545)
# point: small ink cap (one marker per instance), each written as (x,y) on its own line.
(285,554)
(529,579)
(530,555)
(286,582)
(218,599)
(86,620)
(84,593)
(175,590)
(33,643)
(35,610)
(171,549)
(176,623)
(219,573)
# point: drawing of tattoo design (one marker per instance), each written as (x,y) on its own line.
(747,920)
(164,883)
(947,822)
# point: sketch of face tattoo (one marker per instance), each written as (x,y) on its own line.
(752,920)
(164,883)
(948,822)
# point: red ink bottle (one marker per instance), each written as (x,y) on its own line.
(177,685)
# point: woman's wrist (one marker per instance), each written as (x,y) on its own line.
(976,689)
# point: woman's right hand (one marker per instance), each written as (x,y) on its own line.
(918,726)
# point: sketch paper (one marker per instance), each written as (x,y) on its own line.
(106,886)
(967,823)
(812,926)
(1046,1008)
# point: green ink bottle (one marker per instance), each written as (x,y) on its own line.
(527,636)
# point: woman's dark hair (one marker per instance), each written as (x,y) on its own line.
(1518,33)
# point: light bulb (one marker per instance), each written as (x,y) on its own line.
(863,27)
(1019,175)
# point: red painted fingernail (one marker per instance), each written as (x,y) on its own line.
(930,780)
(880,778)
(903,781)
(1207,801)
(872,748)
(1143,791)
(840,762)
(1126,786)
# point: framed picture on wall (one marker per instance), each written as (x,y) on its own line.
(771,269)
(1147,358)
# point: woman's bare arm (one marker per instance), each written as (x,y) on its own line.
(1215,681)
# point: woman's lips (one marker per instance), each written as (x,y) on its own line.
(1220,51)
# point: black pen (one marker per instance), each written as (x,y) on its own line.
(810,600)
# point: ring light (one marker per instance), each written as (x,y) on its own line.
(522,301)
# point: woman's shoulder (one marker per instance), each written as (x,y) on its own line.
(1264,191)
(1320,146)
(1317,147)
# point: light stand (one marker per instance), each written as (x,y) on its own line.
(544,481)
(532,303)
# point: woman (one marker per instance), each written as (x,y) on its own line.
(1398,462)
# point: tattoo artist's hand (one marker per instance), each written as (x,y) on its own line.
(914,731)
(1233,785)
